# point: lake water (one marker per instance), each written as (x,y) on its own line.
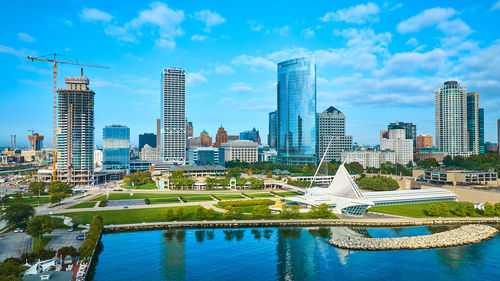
(286,254)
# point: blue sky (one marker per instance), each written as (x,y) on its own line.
(377,61)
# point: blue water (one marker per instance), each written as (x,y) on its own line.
(286,254)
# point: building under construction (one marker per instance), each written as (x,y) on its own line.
(75,133)
(36,141)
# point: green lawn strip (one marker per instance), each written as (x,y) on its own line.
(41,243)
(288,193)
(229,196)
(411,210)
(164,200)
(32,201)
(150,185)
(197,198)
(126,195)
(88,204)
(260,195)
(133,215)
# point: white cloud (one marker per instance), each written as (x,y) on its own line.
(496,6)
(307,33)
(254,25)
(425,19)
(160,15)
(282,31)
(241,87)
(411,62)
(454,27)
(22,53)
(25,37)
(95,15)
(223,69)
(359,14)
(397,6)
(198,37)
(164,43)
(255,63)
(194,79)
(412,42)
(120,33)
(209,18)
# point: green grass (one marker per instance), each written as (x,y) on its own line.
(411,210)
(197,198)
(33,201)
(229,196)
(150,185)
(127,216)
(88,204)
(126,195)
(41,243)
(288,193)
(260,195)
(164,200)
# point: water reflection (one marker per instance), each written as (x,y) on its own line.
(174,255)
(237,234)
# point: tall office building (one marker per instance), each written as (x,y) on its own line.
(396,140)
(296,132)
(220,137)
(410,130)
(251,135)
(173,115)
(147,138)
(424,141)
(475,124)
(75,133)
(36,141)
(158,132)
(189,129)
(116,147)
(273,124)
(451,119)
(205,139)
(331,130)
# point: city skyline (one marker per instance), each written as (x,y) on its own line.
(378,62)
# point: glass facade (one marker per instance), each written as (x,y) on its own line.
(116,148)
(252,135)
(296,118)
(273,124)
(482,148)
(147,138)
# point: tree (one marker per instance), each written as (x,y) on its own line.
(379,183)
(448,161)
(180,214)
(232,213)
(138,178)
(169,214)
(438,210)
(11,270)
(489,209)
(465,210)
(57,197)
(204,214)
(234,173)
(290,212)
(322,211)
(58,186)
(67,251)
(427,163)
(18,214)
(354,168)
(261,212)
(40,225)
(269,174)
(37,187)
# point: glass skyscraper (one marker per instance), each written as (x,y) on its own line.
(475,123)
(273,124)
(116,147)
(296,131)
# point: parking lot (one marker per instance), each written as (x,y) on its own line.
(14,244)
(64,238)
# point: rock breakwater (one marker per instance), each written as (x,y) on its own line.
(467,234)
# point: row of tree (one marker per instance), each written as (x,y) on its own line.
(57,190)
(379,183)
(463,210)
(138,178)
(92,238)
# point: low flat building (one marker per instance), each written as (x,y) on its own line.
(203,156)
(369,158)
(413,196)
(192,171)
(139,166)
(427,153)
(457,177)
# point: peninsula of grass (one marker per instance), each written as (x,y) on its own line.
(41,243)
(87,204)
(128,216)
(412,210)
(150,185)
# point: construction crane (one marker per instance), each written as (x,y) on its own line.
(48,58)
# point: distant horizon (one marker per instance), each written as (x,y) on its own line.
(376,61)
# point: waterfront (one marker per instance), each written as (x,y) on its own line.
(285,254)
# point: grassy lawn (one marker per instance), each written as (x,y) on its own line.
(41,243)
(150,185)
(132,215)
(32,201)
(126,195)
(288,193)
(229,196)
(411,210)
(164,200)
(197,198)
(88,204)
(260,195)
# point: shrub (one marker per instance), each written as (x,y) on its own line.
(290,212)
(438,210)
(321,212)
(67,251)
(261,212)
(175,214)
(379,183)
(92,238)
(204,214)
(147,201)
(247,195)
(103,203)
(465,210)
(232,213)
(244,203)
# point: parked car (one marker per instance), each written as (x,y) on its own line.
(19,230)
(80,237)
(71,229)
(85,231)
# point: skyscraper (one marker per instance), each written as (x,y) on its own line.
(189,129)
(205,139)
(36,141)
(451,119)
(424,141)
(158,132)
(251,135)
(475,124)
(220,137)
(75,134)
(410,130)
(273,124)
(116,147)
(173,115)
(296,132)
(331,130)
(147,138)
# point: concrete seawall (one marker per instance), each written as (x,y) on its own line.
(300,223)
(467,234)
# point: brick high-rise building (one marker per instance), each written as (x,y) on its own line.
(424,141)
(221,137)
(206,139)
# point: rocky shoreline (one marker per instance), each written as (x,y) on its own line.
(467,234)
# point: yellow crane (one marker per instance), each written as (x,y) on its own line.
(48,58)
